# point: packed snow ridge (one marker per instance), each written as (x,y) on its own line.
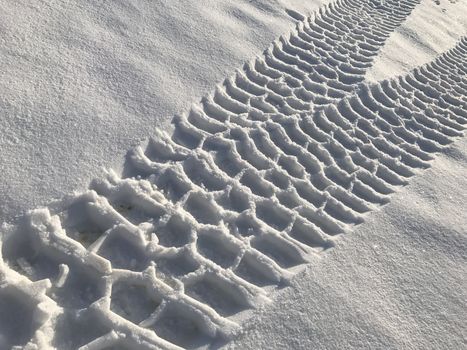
(292,151)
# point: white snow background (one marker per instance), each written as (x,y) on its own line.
(81,82)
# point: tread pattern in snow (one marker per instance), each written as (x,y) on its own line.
(255,181)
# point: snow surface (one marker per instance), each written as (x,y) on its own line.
(83,81)
(398,282)
(433,27)
(88,81)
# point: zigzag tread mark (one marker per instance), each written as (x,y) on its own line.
(254,182)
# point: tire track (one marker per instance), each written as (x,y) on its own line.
(190,239)
(253,182)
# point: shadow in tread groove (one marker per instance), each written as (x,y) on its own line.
(16,319)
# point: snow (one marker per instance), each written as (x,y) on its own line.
(431,29)
(313,199)
(81,82)
(397,282)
